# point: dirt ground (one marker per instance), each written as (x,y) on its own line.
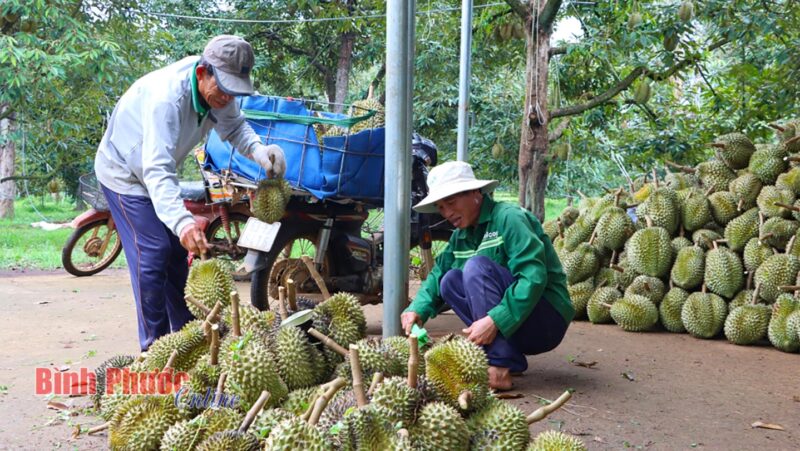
(654,391)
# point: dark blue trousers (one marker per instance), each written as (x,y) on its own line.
(157,264)
(480,286)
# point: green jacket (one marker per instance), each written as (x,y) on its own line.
(512,237)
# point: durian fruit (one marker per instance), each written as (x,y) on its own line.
(395,401)
(230,440)
(780,335)
(650,251)
(680,181)
(581,264)
(695,212)
(625,273)
(778,270)
(678,243)
(556,441)
(364,429)
(724,207)
(298,401)
(703,314)
(188,434)
(499,425)
(376,357)
(209,281)
(787,133)
(755,253)
(689,267)
(793,325)
(734,149)
(741,229)
(341,318)
(203,376)
(343,402)
(768,199)
(439,427)
(746,188)
(117,361)
(578,232)
(402,352)
(552,228)
(662,208)
(270,199)
(569,215)
(251,369)
(776,232)
(724,273)
(767,164)
(259,323)
(669,311)
(650,287)
(614,228)
(705,237)
(190,343)
(295,433)
(362,107)
(715,174)
(595,310)
(748,323)
(267,420)
(141,421)
(299,363)
(634,313)
(789,181)
(604,204)
(454,366)
(579,294)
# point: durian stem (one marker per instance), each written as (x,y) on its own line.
(655,177)
(765,236)
(200,306)
(402,433)
(171,360)
(717,145)
(327,341)
(254,411)
(603,304)
(358,377)
(282,303)
(220,388)
(703,290)
(630,187)
(709,191)
(291,294)
(613,257)
(542,412)
(680,167)
(790,245)
(213,315)
(617,195)
(465,399)
(99,428)
(788,288)
(616,268)
(648,220)
(317,278)
(749,280)
(740,205)
(215,344)
(786,206)
(237,325)
(413,360)
(777,127)
(792,141)
(322,401)
(754,299)
(583,196)
(377,378)
(307,414)
(591,238)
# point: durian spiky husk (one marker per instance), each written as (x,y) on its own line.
(556,441)
(499,425)
(456,365)
(296,434)
(209,281)
(141,421)
(270,199)
(229,440)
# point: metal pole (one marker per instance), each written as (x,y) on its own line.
(397,183)
(464,71)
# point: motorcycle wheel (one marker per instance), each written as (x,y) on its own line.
(215,234)
(261,285)
(81,255)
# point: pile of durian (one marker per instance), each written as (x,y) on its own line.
(708,250)
(328,387)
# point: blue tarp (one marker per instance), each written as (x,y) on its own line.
(347,166)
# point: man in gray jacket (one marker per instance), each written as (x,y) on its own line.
(153,128)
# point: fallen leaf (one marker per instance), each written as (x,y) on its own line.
(55,405)
(509,395)
(762,425)
(584,364)
(77,431)
(628,376)
(42,302)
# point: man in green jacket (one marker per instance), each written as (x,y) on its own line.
(499,273)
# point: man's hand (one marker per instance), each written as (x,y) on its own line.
(408,319)
(270,158)
(193,239)
(482,331)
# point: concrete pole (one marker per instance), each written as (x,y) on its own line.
(464,72)
(397,184)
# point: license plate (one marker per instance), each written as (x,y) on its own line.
(258,235)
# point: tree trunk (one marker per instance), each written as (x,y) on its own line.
(343,70)
(7,162)
(533,164)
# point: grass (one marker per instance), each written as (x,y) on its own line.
(23,246)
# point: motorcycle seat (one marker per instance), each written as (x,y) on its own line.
(195,191)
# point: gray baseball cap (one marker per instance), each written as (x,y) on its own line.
(232,58)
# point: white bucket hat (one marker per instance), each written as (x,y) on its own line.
(451,178)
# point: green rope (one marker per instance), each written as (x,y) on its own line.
(306,120)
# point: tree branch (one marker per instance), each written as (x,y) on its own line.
(556,51)
(548,15)
(299,51)
(492,19)
(519,9)
(628,81)
(559,130)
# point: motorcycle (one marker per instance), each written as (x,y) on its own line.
(345,240)
(94,245)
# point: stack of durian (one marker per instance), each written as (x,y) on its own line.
(328,387)
(708,250)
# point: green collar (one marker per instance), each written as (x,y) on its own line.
(197,100)
(486,209)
